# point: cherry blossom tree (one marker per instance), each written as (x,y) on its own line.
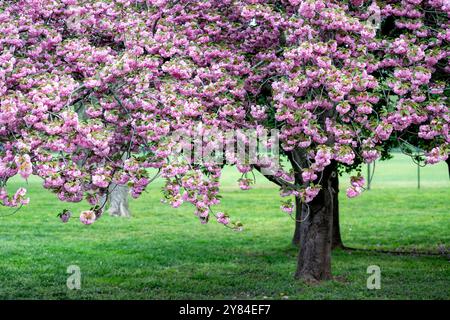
(91,92)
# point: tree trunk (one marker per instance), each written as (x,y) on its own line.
(314,259)
(336,236)
(298,160)
(298,217)
(448,165)
(336,241)
(118,201)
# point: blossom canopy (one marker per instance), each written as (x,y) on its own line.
(91,89)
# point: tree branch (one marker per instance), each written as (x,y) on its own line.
(277,180)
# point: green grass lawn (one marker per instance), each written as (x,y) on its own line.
(165,253)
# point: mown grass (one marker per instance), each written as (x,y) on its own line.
(165,253)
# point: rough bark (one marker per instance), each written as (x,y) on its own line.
(336,235)
(118,201)
(314,259)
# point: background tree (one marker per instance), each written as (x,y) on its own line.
(118,201)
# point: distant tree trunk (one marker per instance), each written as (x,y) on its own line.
(314,259)
(118,201)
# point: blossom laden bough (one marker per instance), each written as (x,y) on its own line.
(90,91)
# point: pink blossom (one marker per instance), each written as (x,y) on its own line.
(357,182)
(222,218)
(310,193)
(436,155)
(87,217)
(288,208)
(353,192)
(244,184)
(309,175)
(25,168)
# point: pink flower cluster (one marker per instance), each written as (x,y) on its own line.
(87,217)
(18,199)
(356,186)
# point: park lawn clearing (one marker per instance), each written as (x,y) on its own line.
(165,253)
